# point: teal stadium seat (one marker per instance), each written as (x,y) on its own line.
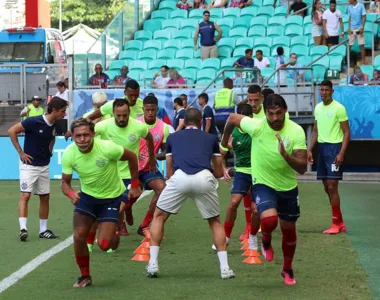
(162,35)
(293,30)
(156,64)
(178,14)
(307,29)
(179,64)
(224,52)
(242,22)
(189,24)
(228,43)
(277,20)
(275,31)
(184,54)
(231,12)
(281,11)
(172,23)
(238,52)
(265,49)
(286,51)
(143,35)
(250,11)
(148,55)
(257,31)
(324,61)
(197,54)
(216,13)
(266,72)
(160,14)
(263,41)
(318,51)
(112,74)
(152,25)
(117,65)
(182,34)
(238,32)
(196,14)
(319,73)
(211,63)
(187,44)
(300,40)
(189,75)
(133,45)
(166,54)
(152,44)
(172,44)
(134,74)
(267,11)
(304,60)
(128,54)
(138,65)
(283,41)
(206,75)
(259,20)
(307,20)
(147,76)
(300,50)
(167,6)
(376,63)
(340,51)
(368,34)
(336,62)
(245,42)
(193,64)
(295,20)
(257,3)
(268,3)
(228,62)
(225,22)
(368,70)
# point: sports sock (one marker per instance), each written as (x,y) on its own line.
(222,255)
(247,208)
(228,228)
(22,222)
(43,225)
(148,218)
(289,243)
(154,250)
(254,230)
(83,263)
(268,224)
(337,217)
(91,238)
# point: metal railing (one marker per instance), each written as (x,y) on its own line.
(377,20)
(301,10)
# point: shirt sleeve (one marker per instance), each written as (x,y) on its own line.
(363,9)
(169,146)
(342,114)
(114,151)
(143,130)
(249,125)
(266,60)
(99,129)
(208,114)
(67,165)
(300,139)
(181,115)
(166,133)
(28,124)
(106,109)
(215,147)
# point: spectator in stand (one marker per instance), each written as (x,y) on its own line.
(208,40)
(316,15)
(295,75)
(245,61)
(160,80)
(356,21)
(99,78)
(200,4)
(184,100)
(261,61)
(175,79)
(358,78)
(296,7)
(374,7)
(280,61)
(217,3)
(184,4)
(376,78)
(241,3)
(238,80)
(123,77)
(179,117)
(332,17)
(208,118)
(62,91)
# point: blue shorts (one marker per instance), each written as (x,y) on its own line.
(124,196)
(286,203)
(326,168)
(104,210)
(148,176)
(242,183)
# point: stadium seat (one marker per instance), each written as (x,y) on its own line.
(197,54)
(216,13)
(267,11)
(276,20)
(231,12)
(193,64)
(249,11)
(340,51)
(224,53)
(112,74)
(238,32)
(188,44)
(238,52)
(167,6)
(135,74)
(143,35)
(319,73)
(147,76)
(283,41)
(229,22)
(368,70)
(257,31)
(318,50)
(300,50)
(184,54)
(160,14)
(281,11)
(190,75)
(211,63)
(296,20)
(263,41)
(196,14)
(179,64)
(156,64)
(152,25)
(257,3)
(147,55)
(275,31)
(266,72)
(368,34)
(323,61)
(304,60)
(300,40)
(286,51)
(166,54)
(172,44)
(307,29)
(227,62)
(161,35)
(117,64)
(138,65)
(228,43)
(293,30)
(245,42)
(336,62)
(178,14)
(259,21)
(268,3)
(171,23)
(242,22)
(133,45)
(376,63)
(130,54)
(190,24)
(265,49)
(307,20)
(207,74)
(152,44)
(181,35)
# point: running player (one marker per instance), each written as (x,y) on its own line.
(190,173)
(96,162)
(152,180)
(35,160)
(332,131)
(126,131)
(278,152)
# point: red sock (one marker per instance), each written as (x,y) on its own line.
(83,263)
(91,237)
(148,218)
(268,224)
(247,208)
(228,228)
(254,230)
(289,243)
(337,217)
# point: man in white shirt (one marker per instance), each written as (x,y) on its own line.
(62,91)
(161,79)
(260,61)
(331,19)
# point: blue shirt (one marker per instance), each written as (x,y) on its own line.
(192,150)
(248,63)
(179,115)
(207,32)
(356,13)
(38,135)
(208,114)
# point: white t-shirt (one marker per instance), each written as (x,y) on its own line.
(332,21)
(161,81)
(64,95)
(262,64)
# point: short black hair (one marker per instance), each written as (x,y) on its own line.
(274,100)
(150,100)
(132,84)
(248,51)
(244,109)
(152,94)
(61,84)
(183,95)
(253,89)
(260,51)
(204,96)
(280,51)
(327,83)
(267,92)
(119,102)
(178,101)
(193,116)
(82,122)
(206,12)
(57,104)
(332,1)
(165,67)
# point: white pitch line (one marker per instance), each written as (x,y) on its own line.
(40,259)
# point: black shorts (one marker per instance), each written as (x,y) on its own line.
(326,169)
(333,40)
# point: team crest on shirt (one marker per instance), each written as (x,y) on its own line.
(100,163)
(286,141)
(329,114)
(24,185)
(132,138)
(157,137)
(257,200)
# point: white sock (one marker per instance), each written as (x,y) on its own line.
(43,225)
(227,240)
(22,222)
(154,254)
(222,255)
(253,242)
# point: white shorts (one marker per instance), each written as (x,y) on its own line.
(202,187)
(317,30)
(34,179)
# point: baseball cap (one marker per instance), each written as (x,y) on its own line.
(36,98)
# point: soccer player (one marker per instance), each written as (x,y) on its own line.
(96,162)
(35,159)
(190,172)
(152,180)
(332,131)
(126,131)
(278,152)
